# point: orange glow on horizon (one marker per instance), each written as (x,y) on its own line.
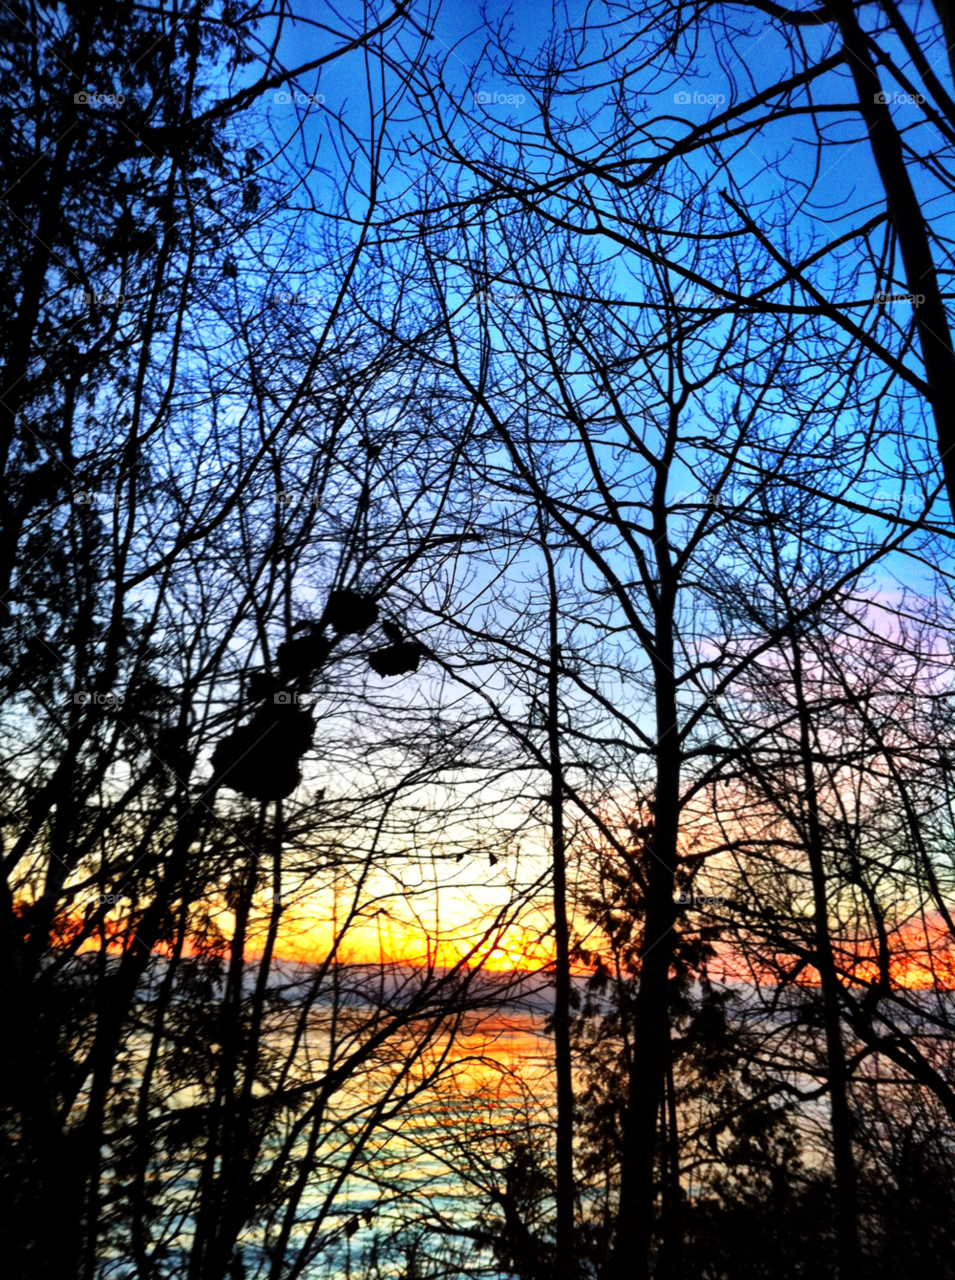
(303,938)
(921,958)
(922,954)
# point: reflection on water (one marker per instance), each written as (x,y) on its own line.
(432,1161)
(367,1133)
(376,1137)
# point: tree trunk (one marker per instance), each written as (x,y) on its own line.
(564,1262)
(846,1191)
(651,1041)
(931,320)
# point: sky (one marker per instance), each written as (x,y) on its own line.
(846,183)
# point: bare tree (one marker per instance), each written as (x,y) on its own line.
(252,493)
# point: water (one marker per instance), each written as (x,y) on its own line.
(412,1143)
(430,1167)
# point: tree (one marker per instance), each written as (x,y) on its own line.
(226,494)
(539,334)
(827,840)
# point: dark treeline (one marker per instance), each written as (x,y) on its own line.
(477,518)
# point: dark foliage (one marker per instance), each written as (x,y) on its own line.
(297,659)
(262,684)
(350,613)
(397,659)
(261,759)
